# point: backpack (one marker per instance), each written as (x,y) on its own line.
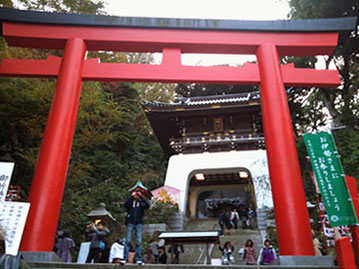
(102,245)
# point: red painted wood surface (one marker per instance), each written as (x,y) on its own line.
(344,252)
(51,169)
(290,208)
(168,72)
(353,189)
(154,40)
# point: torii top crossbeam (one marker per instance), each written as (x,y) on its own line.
(266,39)
(212,36)
(171,37)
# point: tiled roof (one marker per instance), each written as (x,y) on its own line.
(208,100)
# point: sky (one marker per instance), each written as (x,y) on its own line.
(203,9)
(206,9)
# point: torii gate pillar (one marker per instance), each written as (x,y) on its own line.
(50,174)
(291,213)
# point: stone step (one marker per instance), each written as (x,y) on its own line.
(39,265)
(190,255)
(202,224)
(192,252)
(239,237)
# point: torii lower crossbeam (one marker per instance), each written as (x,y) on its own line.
(170,71)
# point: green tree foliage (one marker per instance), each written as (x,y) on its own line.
(6,3)
(65,6)
(151,91)
(342,103)
(113,144)
(161,212)
(23,111)
(192,90)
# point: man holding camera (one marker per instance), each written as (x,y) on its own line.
(135,205)
(97,235)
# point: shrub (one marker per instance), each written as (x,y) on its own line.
(161,212)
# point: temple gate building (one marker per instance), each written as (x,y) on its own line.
(218,157)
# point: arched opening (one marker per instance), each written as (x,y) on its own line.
(211,191)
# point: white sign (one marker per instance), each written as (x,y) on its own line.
(12,219)
(84,251)
(216,262)
(5,177)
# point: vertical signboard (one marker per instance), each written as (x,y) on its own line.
(5,177)
(12,219)
(329,174)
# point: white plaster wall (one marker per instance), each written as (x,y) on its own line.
(181,167)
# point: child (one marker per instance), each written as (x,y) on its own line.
(117,252)
(149,258)
(162,256)
(227,257)
(249,254)
(267,254)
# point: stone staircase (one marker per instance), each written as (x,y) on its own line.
(238,237)
(192,252)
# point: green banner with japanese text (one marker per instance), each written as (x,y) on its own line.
(330,178)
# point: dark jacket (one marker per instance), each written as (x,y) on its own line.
(177,249)
(135,210)
(162,258)
(95,236)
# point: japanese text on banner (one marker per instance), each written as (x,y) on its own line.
(328,173)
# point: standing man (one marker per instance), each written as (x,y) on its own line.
(135,205)
(244,217)
(251,215)
(97,234)
(176,249)
(64,246)
(221,222)
(235,218)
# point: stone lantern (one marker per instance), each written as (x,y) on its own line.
(101,214)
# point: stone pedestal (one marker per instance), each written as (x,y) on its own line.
(261,218)
(178,222)
(39,256)
(305,260)
(150,228)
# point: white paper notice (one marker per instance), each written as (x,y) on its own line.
(83,253)
(13,218)
(5,177)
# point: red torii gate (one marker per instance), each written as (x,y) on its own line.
(76,34)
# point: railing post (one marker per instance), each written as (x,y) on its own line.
(345,254)
(353,190)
